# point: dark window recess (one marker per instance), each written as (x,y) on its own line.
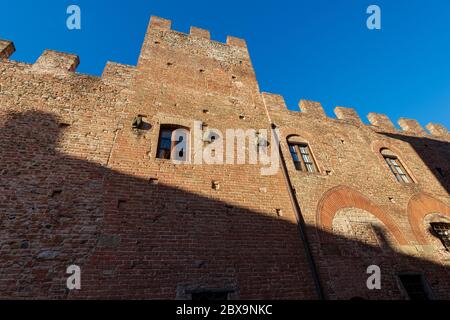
(414,286)
(167,143)
(56,193)
(121,204)
(297,162)
(442,231)
(210,296)
(301,155)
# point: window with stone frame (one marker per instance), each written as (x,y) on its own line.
(301,155)
(396,166)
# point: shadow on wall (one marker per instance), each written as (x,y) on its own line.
(434,153)
(140,239)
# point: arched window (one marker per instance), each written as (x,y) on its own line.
(173,143)
(396,166)
(442,231)
(301,155)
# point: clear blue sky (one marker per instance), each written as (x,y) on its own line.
(305,49)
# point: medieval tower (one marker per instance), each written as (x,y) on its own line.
(87,179)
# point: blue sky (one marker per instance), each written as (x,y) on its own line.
(306,49)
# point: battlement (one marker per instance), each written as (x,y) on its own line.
(201,33)
(380,120)
(55,62)
(274,102)
(157,23)
(61,63)
(347,114)
(312,109)
(198,41)
(437,130)
(411,125)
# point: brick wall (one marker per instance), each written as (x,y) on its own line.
(79,185)
(353,175)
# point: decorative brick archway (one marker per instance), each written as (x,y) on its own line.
(345,197)
(419,206)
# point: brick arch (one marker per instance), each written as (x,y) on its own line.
(377,145)
(419,206)
(306,136)
(345,197)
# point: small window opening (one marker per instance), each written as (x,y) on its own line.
(210,296)
(414,285)
(173,143)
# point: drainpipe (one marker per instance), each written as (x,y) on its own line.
(300,222)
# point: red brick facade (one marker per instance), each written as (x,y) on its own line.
(79,185)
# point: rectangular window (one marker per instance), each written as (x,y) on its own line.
(442,231)
(304,151)
(397,169)
(414,285)
(165,144)
(168,147)
(302,158)
(297,162)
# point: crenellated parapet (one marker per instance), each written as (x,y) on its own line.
(381,122)
(195,62)
(312,108)
(437,130)
(411,126)
(348,114)
(60,63)
(231,56)
(201,33)
(119,74)
(56,62)
(161,24)
(274,102)
(224,67)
